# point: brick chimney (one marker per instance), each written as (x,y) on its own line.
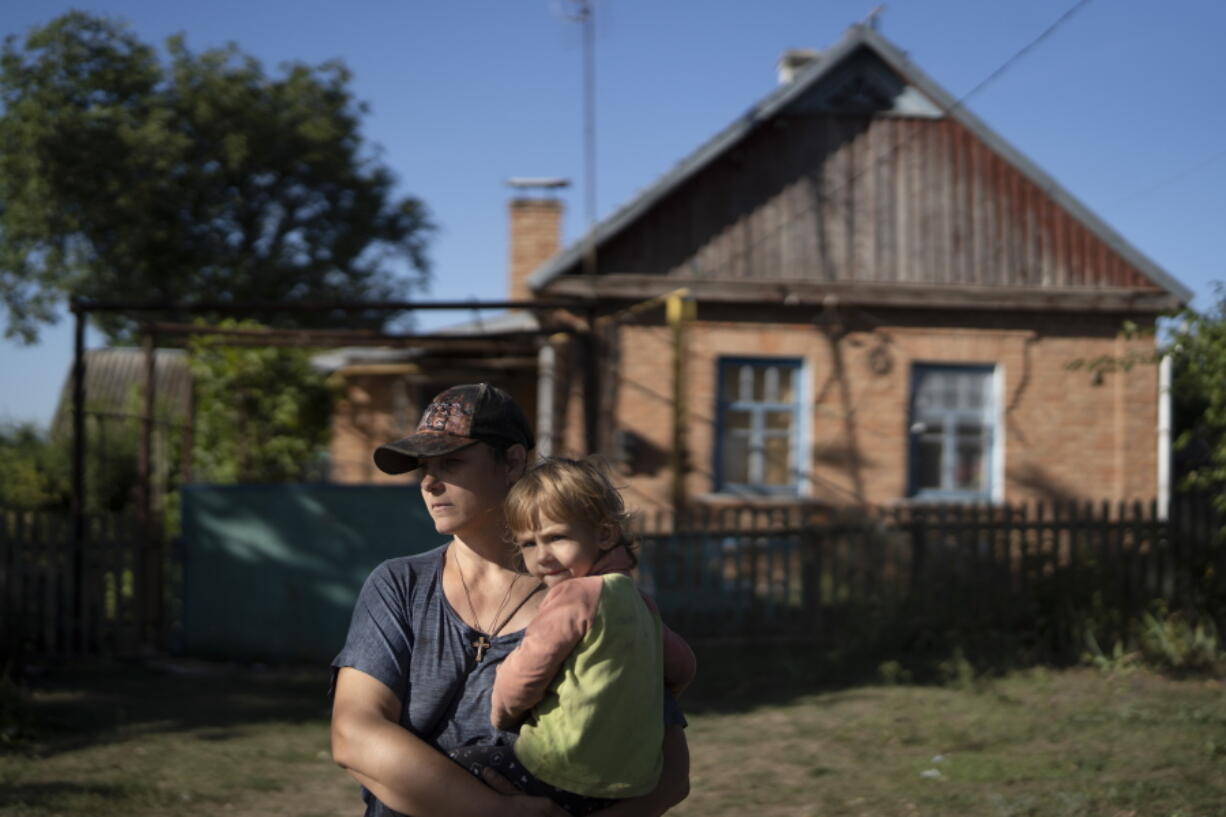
(536,236)
(793,61)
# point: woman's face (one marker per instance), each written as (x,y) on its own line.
(464,490)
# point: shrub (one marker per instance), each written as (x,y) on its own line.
(1183,642)
(1180,642)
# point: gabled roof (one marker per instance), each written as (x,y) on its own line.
(794,94)
(115,382)
(501,324)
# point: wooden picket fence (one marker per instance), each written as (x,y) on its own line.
(836,577)
(58,599)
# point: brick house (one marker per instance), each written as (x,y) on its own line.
(887,299)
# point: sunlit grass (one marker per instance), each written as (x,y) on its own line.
(1036,743)
(1049,744)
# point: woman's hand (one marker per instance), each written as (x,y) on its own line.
(520,803)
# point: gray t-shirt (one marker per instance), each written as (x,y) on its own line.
(405,633)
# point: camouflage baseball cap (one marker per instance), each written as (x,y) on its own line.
(457,418)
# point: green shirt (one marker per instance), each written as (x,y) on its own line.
(599,726)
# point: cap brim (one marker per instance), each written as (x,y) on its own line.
(404,455)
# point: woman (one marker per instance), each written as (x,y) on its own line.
(428,631)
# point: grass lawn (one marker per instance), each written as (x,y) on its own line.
(128,740)
(1048,744)
(125,740)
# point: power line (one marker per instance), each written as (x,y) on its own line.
(1175,177)
(959,102)
(1026,49)
(585,16)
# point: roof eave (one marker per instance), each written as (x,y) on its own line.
(798,294)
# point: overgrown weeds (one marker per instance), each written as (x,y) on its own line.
(1179,643)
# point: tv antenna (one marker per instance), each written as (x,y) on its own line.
(583,13)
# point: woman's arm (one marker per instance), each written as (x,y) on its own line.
(680,665)
(403,771)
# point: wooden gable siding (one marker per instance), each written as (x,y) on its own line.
(868,199)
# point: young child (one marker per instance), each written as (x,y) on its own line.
(587,682)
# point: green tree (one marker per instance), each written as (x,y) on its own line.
(32,474)
(262,413)
(36,468)
(1198,350)
(193,177)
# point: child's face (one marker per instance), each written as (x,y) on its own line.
(556,551)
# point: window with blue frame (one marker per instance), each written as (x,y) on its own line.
(952,431)
(758,426)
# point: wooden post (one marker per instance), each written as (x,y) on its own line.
(609,356)
(189,431)
(919,550)
(591,385)
(148,584)
(78,477)
(680,310)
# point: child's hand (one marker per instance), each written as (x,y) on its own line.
(522,804)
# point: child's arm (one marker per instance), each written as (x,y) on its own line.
(679,662)
(561,622)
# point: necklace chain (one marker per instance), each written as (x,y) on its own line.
(482,644)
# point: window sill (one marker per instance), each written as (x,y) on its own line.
(730,499)
(946,499)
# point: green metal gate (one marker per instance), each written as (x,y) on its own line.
(271,572)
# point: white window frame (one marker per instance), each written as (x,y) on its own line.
(799,433)
(990,415)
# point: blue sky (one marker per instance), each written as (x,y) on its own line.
(1122,104)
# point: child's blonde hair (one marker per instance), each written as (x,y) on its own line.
(565,490)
